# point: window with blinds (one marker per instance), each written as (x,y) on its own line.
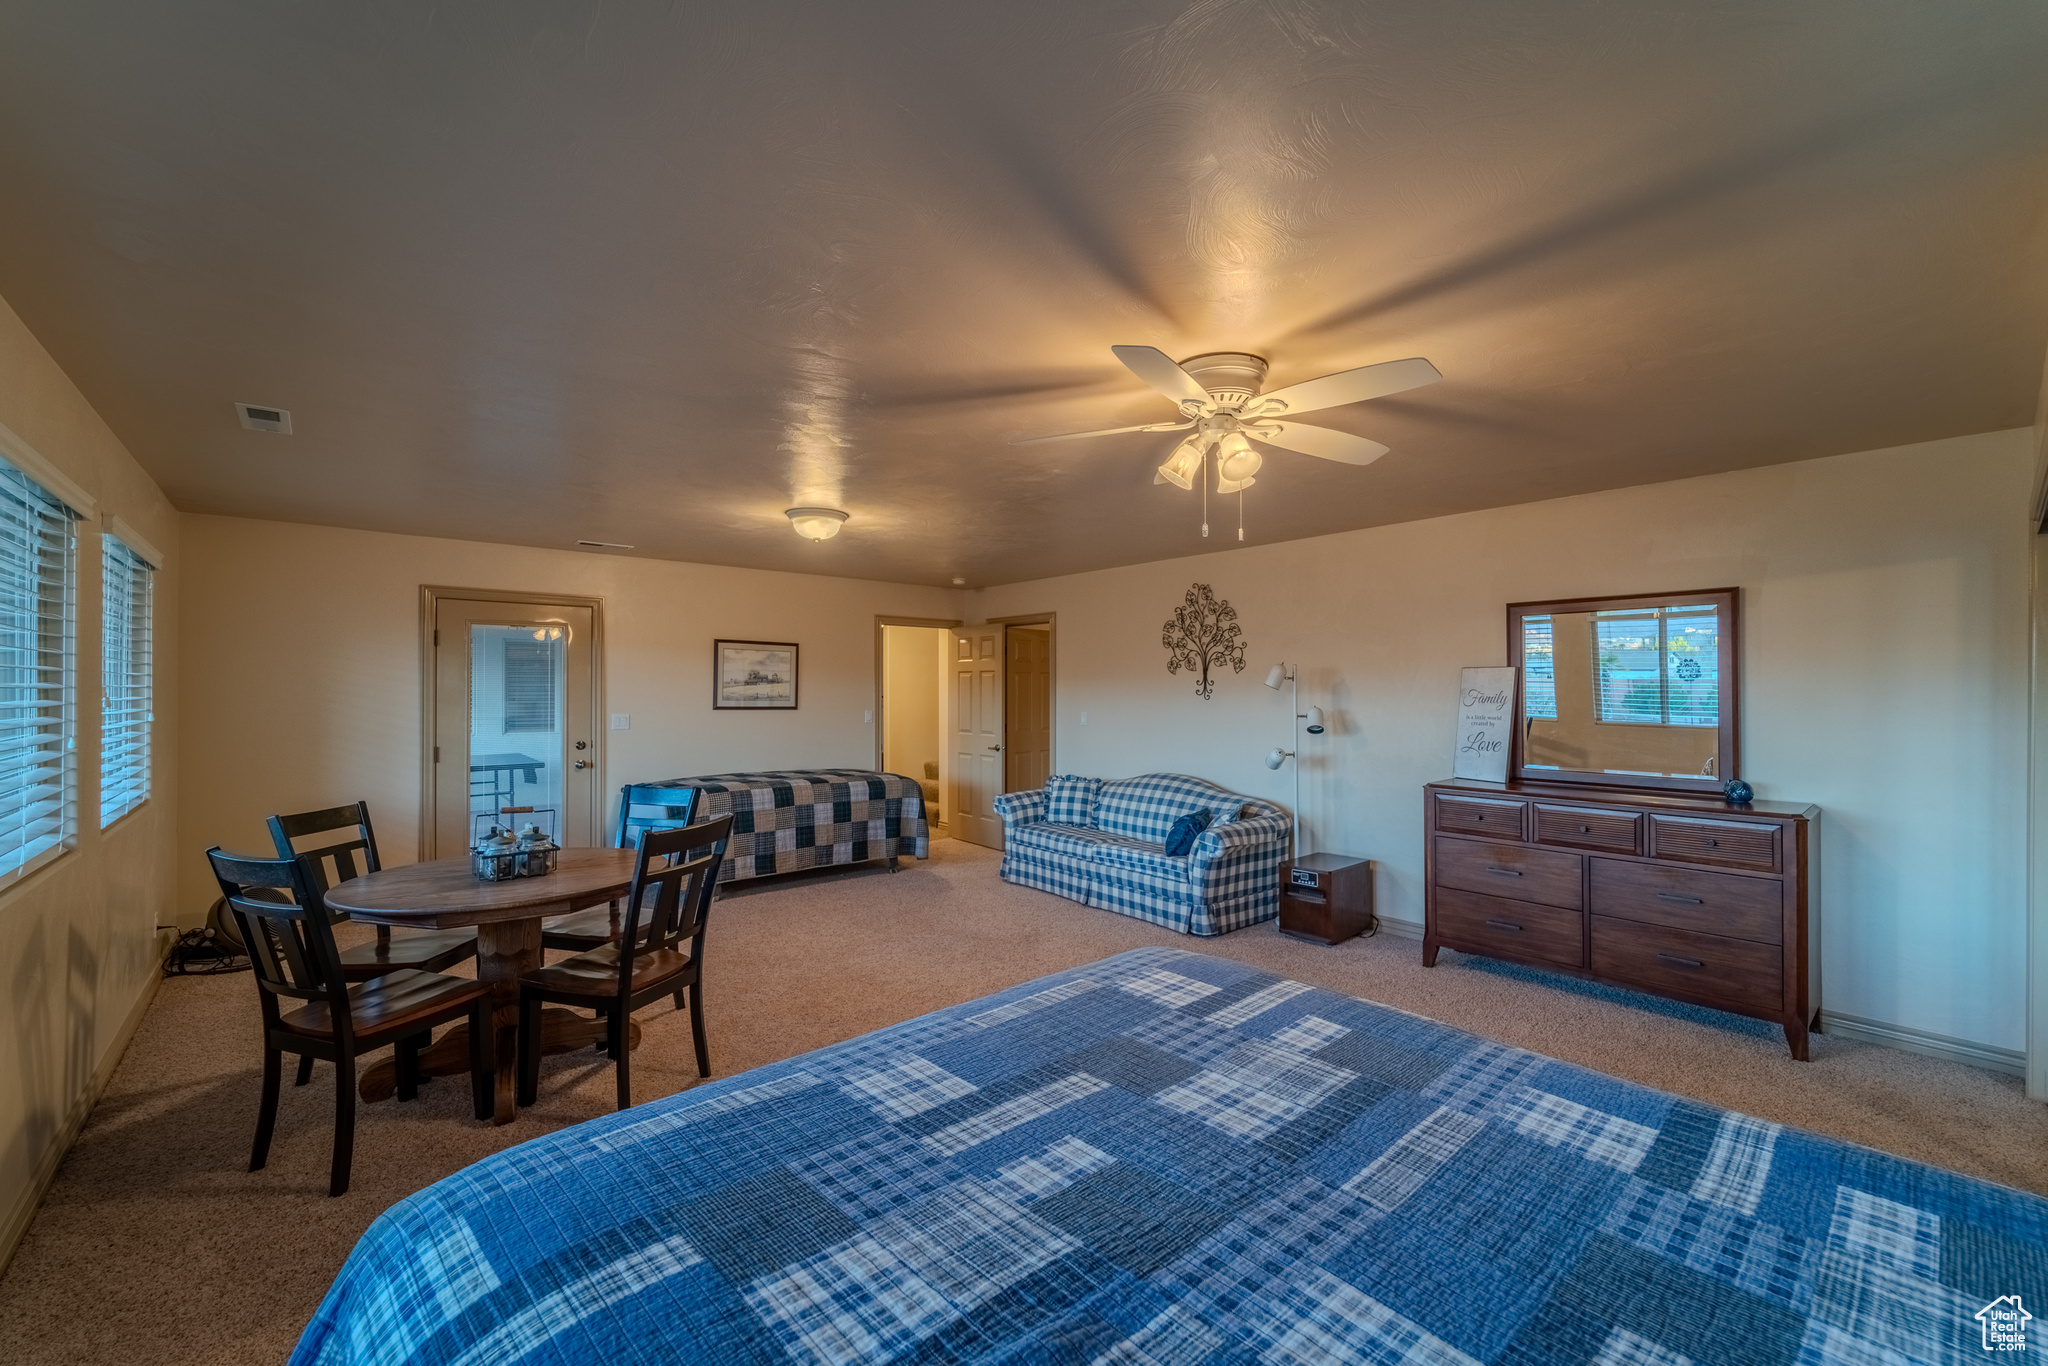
(38,778)
(1658,668)
(529,686)
(1539,669)
(126,675)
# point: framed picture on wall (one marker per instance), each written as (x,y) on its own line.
(753,675)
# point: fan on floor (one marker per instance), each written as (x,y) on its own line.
(1224,412)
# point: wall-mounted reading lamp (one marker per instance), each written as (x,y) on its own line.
(1275,676)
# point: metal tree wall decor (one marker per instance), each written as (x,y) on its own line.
(1203,634)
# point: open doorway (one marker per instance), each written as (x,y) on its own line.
(911,725)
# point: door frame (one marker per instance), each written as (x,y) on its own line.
(1052,691)
(430,599)
(881,680)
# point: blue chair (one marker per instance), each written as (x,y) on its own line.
(642,807)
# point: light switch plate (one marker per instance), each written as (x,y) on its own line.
(868,717)
(1084,718)
(622,721)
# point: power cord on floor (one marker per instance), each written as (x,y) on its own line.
(206,951)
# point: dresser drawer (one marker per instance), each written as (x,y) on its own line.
(1480,816)
(1517,871)
(1581,828)
(1735,844)
(1708,968)
(1510,929)
(1689,899)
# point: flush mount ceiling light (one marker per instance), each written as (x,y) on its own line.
(1219,398)
(816,524)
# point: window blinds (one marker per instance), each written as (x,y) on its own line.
(1658,668)
(126,705)
(529,686)
(38,784)
(1539,669)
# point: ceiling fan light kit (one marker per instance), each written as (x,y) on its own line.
(1219,397)
(816,524)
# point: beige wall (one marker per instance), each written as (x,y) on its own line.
(78,944)
(303,685)
(915,662)
(1885,640)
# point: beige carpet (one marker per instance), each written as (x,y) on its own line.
(155,1245)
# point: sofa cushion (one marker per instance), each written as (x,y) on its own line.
(1074,841)
(1146,807)
(1142,856)
(1070,800)
(1181,838)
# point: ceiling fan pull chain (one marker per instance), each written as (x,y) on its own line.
(1240,514)
(1205,495)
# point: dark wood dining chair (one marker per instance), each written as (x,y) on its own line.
(335,861)
(290,938)
(642,807)
(660,952)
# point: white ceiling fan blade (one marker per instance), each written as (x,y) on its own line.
(1157,369)
(1105,431)
(1350,386)
(1342,447)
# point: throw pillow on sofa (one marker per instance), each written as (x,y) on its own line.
(1181,839)
(1070,800)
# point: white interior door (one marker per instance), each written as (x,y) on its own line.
(977,734)
(514,720)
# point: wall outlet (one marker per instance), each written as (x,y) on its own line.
(621,721)
(1084,718)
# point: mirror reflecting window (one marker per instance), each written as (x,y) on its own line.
(1625,690)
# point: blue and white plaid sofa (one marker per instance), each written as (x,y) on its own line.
(1229,880)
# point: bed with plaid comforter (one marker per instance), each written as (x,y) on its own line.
(1166,1157)
(812,818)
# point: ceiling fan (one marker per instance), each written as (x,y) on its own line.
(1221,405)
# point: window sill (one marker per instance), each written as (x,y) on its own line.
(109,825)
(15,877)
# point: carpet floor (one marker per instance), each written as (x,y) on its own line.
(155,1244)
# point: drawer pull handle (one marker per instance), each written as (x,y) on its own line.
(1681,900)
(1585,830)
(1504,872)
(1510,926)
(1713,843)
(1689,964)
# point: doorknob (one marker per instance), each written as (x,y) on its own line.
(583,763)
(995,746)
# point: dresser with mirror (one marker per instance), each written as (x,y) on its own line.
(1612,852)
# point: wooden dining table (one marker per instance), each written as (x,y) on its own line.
(444,895)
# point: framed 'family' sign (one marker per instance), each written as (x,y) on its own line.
(1486,718)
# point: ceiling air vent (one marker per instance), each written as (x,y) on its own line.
(258,418)
(603,545)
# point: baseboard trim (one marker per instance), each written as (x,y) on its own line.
(2010,1061)
(14,1227)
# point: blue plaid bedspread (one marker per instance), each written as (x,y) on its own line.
(1170,1158)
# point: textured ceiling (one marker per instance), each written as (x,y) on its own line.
(536,272)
